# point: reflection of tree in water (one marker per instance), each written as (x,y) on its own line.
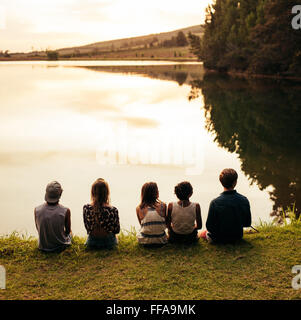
(181,77)
(260,121)
(180,73)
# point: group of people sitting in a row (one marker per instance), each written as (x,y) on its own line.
(228,215)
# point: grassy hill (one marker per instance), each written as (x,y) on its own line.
(149,47)
(259,267)
(126,44)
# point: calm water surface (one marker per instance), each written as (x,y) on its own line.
(132,122)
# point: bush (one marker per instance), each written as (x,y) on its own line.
(52,55)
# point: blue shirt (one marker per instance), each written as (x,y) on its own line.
(228,215)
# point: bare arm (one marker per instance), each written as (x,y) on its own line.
(198,217)
(35,220)
(138,216)
(68,222)
(165,210)
(168,217)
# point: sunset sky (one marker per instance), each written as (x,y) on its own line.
(61,23)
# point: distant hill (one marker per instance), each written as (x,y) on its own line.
(157,46)
(133,43)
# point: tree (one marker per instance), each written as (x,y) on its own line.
(170,43)
(181,40)
(253,36)
(52,55)
(195,44)
(277,44)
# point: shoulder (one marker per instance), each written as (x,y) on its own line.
(141,211)
(113,209)
(38,208)
(197,205)
(87,208)
(63,207)
(243,198)
(110,209)
(216,200)
(161,207)
(162,204)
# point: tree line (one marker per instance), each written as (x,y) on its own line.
(253,36)
(4,54)
(180,40)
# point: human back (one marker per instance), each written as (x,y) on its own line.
(151,214)
(53,220)
(232,214)
(50,221)
(183,217)
(229,213)
(100,218)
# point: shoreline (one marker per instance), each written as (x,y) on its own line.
(104,59)
(247,75)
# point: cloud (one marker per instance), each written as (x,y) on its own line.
(2,18)
(61,23)
(139,122)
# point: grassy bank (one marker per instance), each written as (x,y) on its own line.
(257,268)
(167,54)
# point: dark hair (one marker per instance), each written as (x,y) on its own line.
(183,190)
(149,194)
(228,177)
(100,194)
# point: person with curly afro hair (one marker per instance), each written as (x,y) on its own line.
(183,217)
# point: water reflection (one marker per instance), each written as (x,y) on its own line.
(260,121)
(182,74)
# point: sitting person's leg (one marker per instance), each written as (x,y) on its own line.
(183,238)
(108,242)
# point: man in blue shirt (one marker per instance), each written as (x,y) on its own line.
(229,213)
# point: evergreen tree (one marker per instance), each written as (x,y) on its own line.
(250,35)
(181,39)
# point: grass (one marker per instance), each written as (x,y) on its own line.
(157,53)
(176,53)
(259,267)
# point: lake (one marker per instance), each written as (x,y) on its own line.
(133,122)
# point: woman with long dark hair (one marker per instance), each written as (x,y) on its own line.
(100,218)
(151,214)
